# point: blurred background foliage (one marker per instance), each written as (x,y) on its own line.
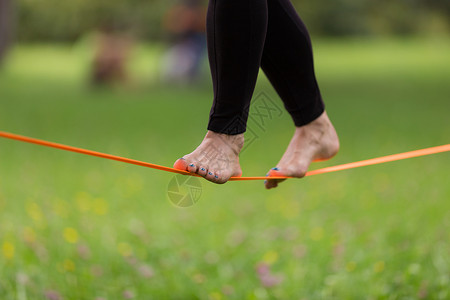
(55,20)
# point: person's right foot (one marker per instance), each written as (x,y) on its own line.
(315,141)
(216,158)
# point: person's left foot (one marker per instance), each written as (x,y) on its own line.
(315,141)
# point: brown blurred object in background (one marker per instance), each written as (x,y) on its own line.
(6,20)
(186,17)
(111,55)
(185,24)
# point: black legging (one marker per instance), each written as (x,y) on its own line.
(246,34)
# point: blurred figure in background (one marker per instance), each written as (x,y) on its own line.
(185,24)
(111,55)
(6,18)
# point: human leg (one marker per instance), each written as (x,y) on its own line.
(236,32)
(288,63)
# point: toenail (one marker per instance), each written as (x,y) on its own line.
(191,165)
(182,158)
(210,173)
(203,169)
(275,169)
(265,181)
(216,176)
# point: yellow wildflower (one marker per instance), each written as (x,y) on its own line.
(34,211)
(100,206)
(125,249)
(351,266)
(270,257)
(8,250)
(69,265)
(70,235)
(83,201)
(378,267)
(215,296)
(317,233)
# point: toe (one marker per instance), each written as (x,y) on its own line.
(275,172)
(192,167)
(273,183)
(270,184)
(202,171)
(220,178)
(180,164)
(210,176)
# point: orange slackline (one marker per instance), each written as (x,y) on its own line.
(357,164)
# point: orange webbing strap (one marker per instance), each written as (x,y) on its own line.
(358,164)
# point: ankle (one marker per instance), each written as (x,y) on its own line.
(235,142)
(319,126)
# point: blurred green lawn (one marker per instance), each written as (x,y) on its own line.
(78,227)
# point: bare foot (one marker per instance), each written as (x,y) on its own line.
(315,141)
(216,159)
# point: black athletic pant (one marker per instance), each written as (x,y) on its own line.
(244,35)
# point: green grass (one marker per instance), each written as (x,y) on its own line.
(88,228)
